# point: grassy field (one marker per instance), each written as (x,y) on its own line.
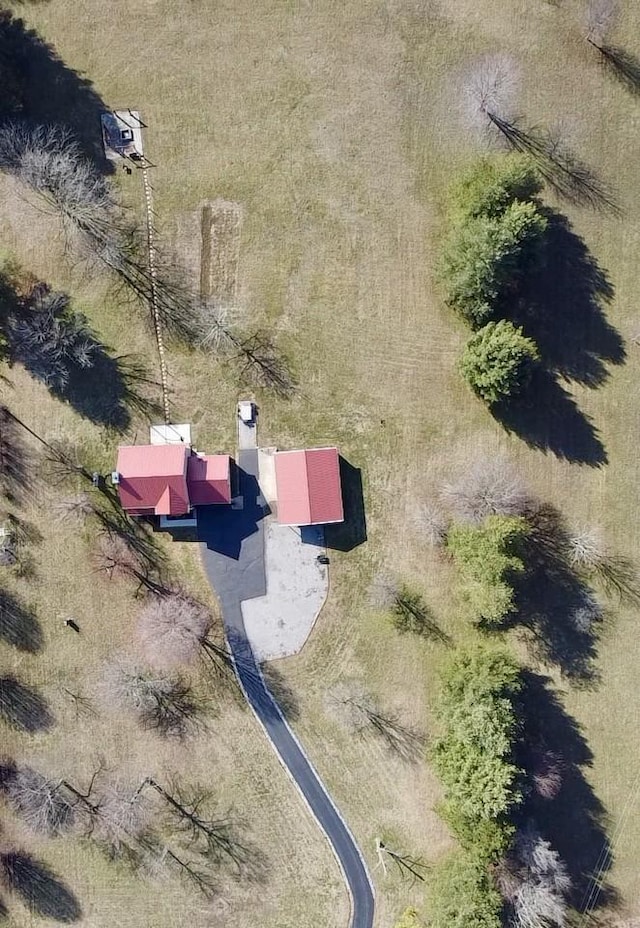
(335,129)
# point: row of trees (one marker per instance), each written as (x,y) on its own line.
(155,828)
(505,866)
(497,230)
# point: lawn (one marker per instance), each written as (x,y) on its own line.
(335,129)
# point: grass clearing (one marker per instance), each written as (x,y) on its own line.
(335,130)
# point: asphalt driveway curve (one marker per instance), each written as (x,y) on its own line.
(232,547)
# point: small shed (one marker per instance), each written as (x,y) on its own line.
(122,134)
(308,487)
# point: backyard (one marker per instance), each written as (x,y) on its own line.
(320,139)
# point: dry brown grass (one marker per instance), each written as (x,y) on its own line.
(335,128)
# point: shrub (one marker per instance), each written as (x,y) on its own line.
(492,185)
(486,256)
(498,360)
(462,895)
(488,556)
(474,756)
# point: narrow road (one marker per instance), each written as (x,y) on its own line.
(233,553)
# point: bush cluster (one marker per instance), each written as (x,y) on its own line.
(497,230)
(474,758)
(488,556)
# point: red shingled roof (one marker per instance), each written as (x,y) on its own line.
(308,487)
(209,479)
(153,479)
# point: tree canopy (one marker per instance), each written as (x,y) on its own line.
(488,556)
(485,257)
(491,185)
(462,895)
(474,755)
(498,360)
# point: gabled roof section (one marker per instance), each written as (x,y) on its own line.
(209,479)
(152,479)
(308,487)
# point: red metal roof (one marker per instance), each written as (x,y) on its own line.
(308,487)
(209,479)
(153,479)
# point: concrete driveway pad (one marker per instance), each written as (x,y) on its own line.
(279,623)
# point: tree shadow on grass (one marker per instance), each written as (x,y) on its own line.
(352,532)
(547,417)
(575,821)
(18,626)
(39,87)
(562,309)
(569,176)
(15,460)
(23,708)
(106,392)
(554,604)
(561,306)
(281,692)
(623,65)
(39,887)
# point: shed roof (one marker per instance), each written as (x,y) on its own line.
(308,487)
(153,478)
(209,479)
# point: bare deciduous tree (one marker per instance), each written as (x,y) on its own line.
(213,839)
(489,91)
(547,772)
(49,339)
(45,805)
(171,630)
(77,507)
(117,556)
(383,591)
(121,819)
(542,896)
(358,712)
(431,523)
(490,486)
(161,703)
(586,549)
(407,865)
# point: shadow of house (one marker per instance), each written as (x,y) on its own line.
(39,887)
(18,626)
(561,306)
(623,65)
(223,529)
(23,708)
(352,532)
(40,88)
(575,820)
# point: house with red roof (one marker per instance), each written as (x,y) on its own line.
(167,479)
(170,479)
(308,487)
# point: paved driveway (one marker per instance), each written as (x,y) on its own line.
(232,545)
